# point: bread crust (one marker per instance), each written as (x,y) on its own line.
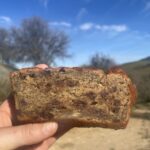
(132,87)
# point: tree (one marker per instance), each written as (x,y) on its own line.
(101,61)
(35,42)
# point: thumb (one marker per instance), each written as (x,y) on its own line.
(14,137)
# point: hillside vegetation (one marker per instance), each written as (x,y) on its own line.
(4,81)
(140,74)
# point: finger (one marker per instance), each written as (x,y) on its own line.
(42,66)
(14,137)
(45,145)
(8,110)
(4,107)
(5,120)
(5,114)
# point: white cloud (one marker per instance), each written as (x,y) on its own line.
(82,12)
(116,28)
(62,23)
(86,26)
(5,19)
(44,2)
(119,28)
(66,24)
(147,6)
(92,26)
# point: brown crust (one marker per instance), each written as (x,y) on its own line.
(132,86)
(23,119)
(37,69)
(120,71)
(133,91)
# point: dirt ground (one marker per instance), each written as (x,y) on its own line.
(135,137)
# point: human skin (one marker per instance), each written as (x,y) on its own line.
(37,136)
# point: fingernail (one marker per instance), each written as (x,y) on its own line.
(50,127)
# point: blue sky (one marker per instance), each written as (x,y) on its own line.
(117,28)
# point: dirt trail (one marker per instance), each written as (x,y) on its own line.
(135,137)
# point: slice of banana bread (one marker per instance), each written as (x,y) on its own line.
(88,97)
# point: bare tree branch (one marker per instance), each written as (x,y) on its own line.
(101,61)
(33,42)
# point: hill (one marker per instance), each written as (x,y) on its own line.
(4,80)
(139,71)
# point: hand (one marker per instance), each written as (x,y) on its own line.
(31,136)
